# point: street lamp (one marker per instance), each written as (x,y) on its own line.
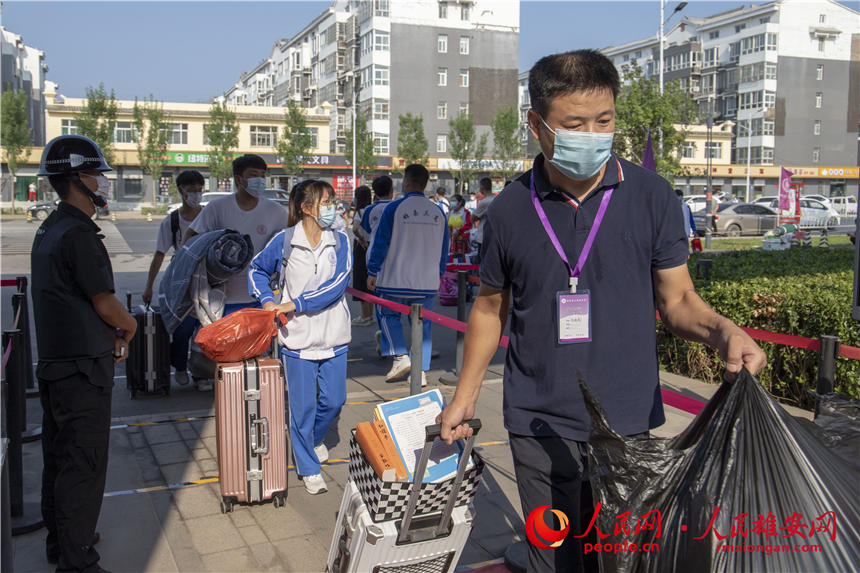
(709,197)
(678,8)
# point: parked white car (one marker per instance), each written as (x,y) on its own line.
(815,214)
(821,198)
(845,206)
(698,202)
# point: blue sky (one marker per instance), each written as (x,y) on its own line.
(191,51)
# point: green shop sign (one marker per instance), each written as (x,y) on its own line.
(193,158)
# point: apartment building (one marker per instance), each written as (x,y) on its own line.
(384,58)
(23,68)
(786,73)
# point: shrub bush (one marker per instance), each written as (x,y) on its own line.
(802,292)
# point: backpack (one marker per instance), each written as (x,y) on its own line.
(174,228)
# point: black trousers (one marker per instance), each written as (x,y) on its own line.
(76,404)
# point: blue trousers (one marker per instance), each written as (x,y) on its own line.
(392,340)
(180,341)
(317,391)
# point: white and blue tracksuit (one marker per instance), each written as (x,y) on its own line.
(370,220)
(314,343)
(407,256)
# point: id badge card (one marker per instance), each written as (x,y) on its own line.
(574,317)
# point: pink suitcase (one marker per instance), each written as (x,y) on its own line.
(251,431)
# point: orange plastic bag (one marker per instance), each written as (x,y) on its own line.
(239,336)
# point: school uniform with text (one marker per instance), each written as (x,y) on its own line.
(313,345)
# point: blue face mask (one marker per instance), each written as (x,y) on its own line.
(255,186)
(580,154)
(327,216)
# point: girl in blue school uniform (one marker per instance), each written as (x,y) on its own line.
(312,264)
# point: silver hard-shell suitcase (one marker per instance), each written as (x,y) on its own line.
(427,544)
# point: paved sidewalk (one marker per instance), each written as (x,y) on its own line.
(180,527)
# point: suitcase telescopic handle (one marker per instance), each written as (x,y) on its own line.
(430,434)
(260,445)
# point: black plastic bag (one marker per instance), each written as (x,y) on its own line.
(744,488)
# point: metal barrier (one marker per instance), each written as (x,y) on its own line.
(17,369)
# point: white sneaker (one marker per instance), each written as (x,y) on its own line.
(378,337)
(322,453)
(363,321)
(401,367)
(205,385)
(314,484)
(181,377)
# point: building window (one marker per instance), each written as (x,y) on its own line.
(769,71)
(771,41)
(626,57)
(380,8)
(464,45)
(123,132)
(465,12)
(314,132)
(734,52)
(442,43)
(380,110)
(178,134)
(713,150)
(638,54)
(380,143)
(464,78)
(443,10)
(769,99)
(69,127)
(819,72)
(822,18)
(712,57)
(767,155)
(464,108)
(442,110)
(714,35)
(380,75)
(263,135)
(689,150)
(816,127)
(816,154)
(819,97)
(820,45)
(381,41)
(767,127)
(442,76)
(739,28)
(764,20)
(442,143)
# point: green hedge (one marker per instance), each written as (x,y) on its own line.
(803,292)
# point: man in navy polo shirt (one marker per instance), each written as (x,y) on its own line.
(584,244)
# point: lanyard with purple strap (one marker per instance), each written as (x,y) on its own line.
(586,249)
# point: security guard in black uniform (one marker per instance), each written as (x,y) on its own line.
(82,330)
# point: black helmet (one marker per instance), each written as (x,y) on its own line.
(69,154)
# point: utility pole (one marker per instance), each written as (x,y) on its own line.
(662,39)
(709,197)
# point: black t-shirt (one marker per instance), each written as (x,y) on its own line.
(70,265)
(642,230)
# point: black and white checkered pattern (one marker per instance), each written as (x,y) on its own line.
(388,500)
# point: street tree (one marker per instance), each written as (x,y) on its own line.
(14,133)
(222,136)
(411,142)
(466,147)
(506,140)
(98,119)
(640,108)
(294,145)
(366,161)
(151,129)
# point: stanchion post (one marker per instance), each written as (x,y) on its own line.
(14,427)
(826,365)
(417,345)
(24,327)
(462,277)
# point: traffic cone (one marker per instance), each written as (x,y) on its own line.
(823,241)
(807,240)
(795,239)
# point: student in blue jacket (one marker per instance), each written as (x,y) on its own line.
(312,264)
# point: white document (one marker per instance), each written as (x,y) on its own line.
(409,428)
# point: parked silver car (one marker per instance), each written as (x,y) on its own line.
(736,219)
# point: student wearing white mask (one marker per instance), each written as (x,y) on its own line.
(170,232)
(313,263)
(247,212)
